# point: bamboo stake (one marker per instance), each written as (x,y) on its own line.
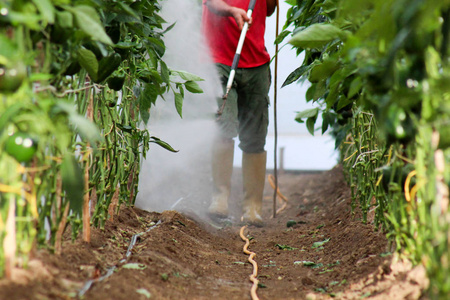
(114,202)
(86,209)
(9,243)
(60,231)
(57,209)
(275,88)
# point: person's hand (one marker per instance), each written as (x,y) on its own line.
(241,17)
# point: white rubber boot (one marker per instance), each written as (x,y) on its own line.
(222,169)
(254,174)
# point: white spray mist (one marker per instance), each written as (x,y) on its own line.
(182,181)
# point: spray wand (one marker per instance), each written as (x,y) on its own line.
(237,56)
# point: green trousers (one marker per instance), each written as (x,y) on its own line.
(246,112)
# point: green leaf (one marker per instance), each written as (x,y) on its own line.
(316,36)
(179,103)
(329,6)
(343,102)
(282,36)
(85,128)
(144,292)
(134,266)
(46,9)
(305,263)
(308,113)
(320,90)
(128,10)
(165,73)
(285,247)
(295,75)
(169,28)
(310,93)
(40,77)
(163,144)
(88,21)
(31,20)
(328,119)
(9,113)
(187,76)
(164,276)
(193,87)
(73,182)
(310,122)
(88,61)
(355,87)
(146,98)
(291,2)
(157,45)
(321,243)
(324,70)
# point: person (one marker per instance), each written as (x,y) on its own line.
(245,113)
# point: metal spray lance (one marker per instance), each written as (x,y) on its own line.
(237,55)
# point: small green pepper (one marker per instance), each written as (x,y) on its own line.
(21,146)
(11,77)
(116,82)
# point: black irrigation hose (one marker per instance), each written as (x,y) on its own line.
(111,270)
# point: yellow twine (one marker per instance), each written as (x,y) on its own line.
(407,181)
(379,180)
(356,151)
(18,191)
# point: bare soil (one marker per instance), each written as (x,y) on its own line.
(329,252)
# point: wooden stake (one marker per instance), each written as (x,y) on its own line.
(114,202)
(86,210)
(9,243)
(59,233)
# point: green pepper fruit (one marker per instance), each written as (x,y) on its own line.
(73,68)
(116,82)
(21,146)
(107,66)
(114,33)
(11,77)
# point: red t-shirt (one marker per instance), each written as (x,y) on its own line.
(223,35)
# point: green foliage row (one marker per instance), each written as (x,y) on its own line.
(379,75)
(77,81)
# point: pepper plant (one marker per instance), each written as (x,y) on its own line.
(379,73)
(77,82)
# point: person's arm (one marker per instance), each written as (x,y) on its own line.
(271,5)
(219,7)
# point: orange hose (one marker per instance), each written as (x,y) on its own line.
(255,265)
(272,184)
(282,198)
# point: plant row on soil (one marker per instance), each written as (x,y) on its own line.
(379,73)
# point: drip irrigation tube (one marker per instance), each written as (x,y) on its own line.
(253,262)
(111,270)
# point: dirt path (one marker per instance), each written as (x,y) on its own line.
(328,252)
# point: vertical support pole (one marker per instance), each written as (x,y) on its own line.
(9,243)
(275,88)
(86,209)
